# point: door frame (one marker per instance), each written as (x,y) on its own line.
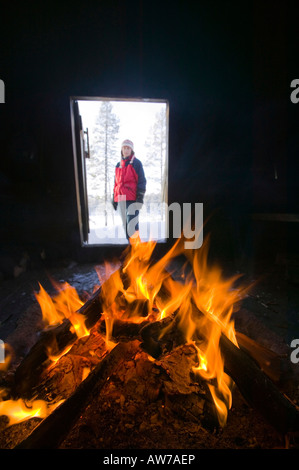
(78,152)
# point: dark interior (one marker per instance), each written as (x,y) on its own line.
(226,73)
(224,67)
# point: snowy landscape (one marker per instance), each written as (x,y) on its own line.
(151,227)
(109,122)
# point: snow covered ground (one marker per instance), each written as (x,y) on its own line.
(151,227)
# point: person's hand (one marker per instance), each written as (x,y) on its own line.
(114,205)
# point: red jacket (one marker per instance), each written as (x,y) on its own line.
(129,180)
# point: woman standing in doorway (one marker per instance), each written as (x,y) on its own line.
(129,189)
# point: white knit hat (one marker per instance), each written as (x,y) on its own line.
(127,143)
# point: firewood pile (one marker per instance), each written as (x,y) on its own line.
(134,378)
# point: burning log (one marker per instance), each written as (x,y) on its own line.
(252,382)
(256,387)
(161,337)
(65,373)
(258,390)
(56,338)
(123,330)
(29,371)
(61,336)
(277,367)
(142,304)
(50,432)
(136,383)
(109,294)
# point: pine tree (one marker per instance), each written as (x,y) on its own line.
(156,155)
(159,141)
(103,154)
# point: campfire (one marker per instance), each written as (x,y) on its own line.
(150,330)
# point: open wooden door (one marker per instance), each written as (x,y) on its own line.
(81,152)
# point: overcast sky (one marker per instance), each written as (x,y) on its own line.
(136,119)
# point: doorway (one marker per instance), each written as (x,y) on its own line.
(99,127)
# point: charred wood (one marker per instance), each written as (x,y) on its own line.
(58,337)
(276,366)
(258,390)
(143,395)
(29,371)
(92,309)
(51,431)
(123,330)
(64,375)
(254,380)
(254,384)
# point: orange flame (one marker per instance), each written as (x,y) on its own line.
(55,357)
(19,410)
(64,305)
(216,299)
(202,300)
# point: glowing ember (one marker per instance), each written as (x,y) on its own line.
(55,358)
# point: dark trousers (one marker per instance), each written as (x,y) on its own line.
(129,212)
